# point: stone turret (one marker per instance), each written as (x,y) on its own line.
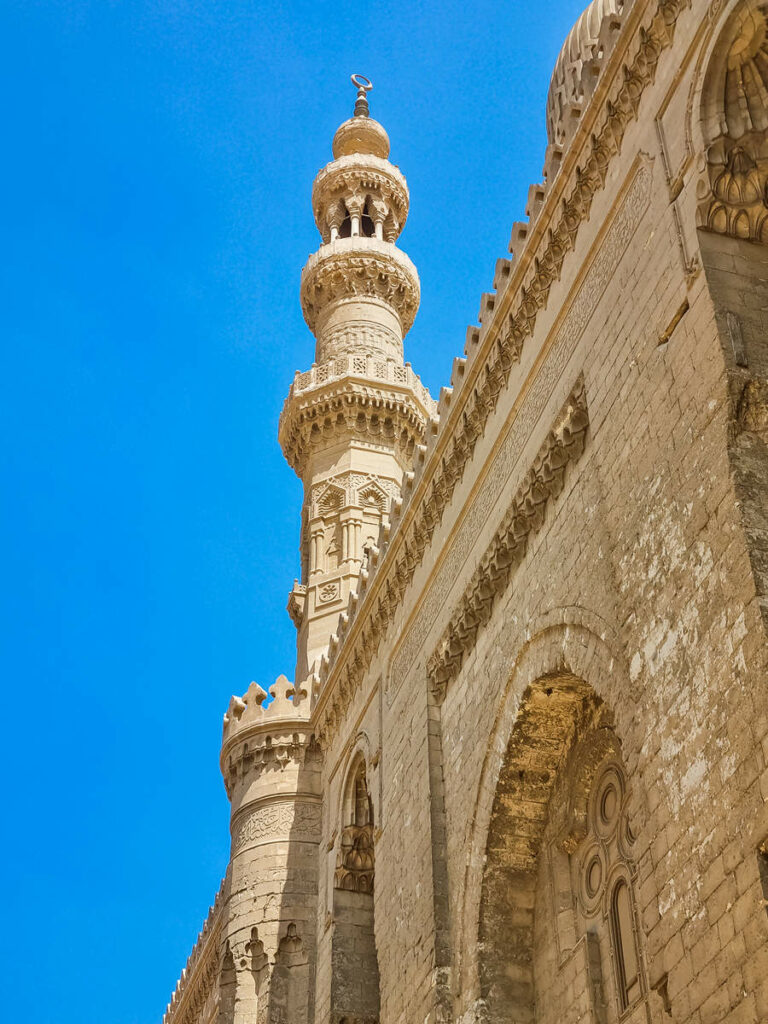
(351,423)
(271,768)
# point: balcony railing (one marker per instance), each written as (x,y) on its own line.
(367,368)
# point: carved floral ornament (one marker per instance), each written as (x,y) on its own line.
(733,199)
(349,269)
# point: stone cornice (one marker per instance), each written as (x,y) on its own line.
(543,481)
(199,975)
(492,351)
(350,268)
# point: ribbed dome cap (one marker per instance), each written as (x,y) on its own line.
(360,134)
(585,42)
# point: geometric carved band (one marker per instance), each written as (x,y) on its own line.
(544,480)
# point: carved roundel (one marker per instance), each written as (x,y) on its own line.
(608,800)
(593,873)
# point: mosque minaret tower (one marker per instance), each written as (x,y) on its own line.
(350,423)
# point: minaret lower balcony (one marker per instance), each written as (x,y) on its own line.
(374,399)
(365,369)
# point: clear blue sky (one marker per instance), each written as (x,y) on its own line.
(156,214)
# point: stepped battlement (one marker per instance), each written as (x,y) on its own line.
(250,712)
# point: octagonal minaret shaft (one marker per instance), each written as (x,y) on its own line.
(351,422)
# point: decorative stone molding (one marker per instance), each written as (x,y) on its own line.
(350,268)
(544,481)
(359,173)
(355,861)
(198,978)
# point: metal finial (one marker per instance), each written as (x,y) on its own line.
(363,86)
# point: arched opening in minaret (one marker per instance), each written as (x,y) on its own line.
(367,227)
(355,967)
(345,228)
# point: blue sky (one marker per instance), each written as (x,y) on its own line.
(156,215)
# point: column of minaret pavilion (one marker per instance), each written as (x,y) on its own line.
(349,428)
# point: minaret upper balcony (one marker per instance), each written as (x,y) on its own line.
(359,292)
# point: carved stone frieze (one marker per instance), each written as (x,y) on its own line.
(360,338)
(543,481)
(351,268)
(295,819)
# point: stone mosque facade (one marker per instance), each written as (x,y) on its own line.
(522,772)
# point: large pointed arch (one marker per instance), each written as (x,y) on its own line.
(560,682)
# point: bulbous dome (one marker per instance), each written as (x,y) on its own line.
(586,47)
(361,134)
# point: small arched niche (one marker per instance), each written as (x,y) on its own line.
(355,968)
(289,986)
(558,924)
(734,126)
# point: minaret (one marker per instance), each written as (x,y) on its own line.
(350,424)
